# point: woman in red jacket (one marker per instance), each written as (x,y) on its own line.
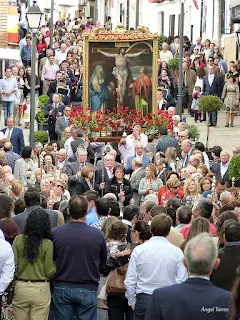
(41,46)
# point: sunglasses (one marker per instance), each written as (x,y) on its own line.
(59,186)
(175,187)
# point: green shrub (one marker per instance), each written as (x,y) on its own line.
(161,39)
(41,136)
(194,131)
(234,167)
(39,117)
(173,63)
(210,103)
(43,100)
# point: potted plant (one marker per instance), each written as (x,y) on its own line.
(194,132)
(234,171)
(43,100)
(173,65)
(41,120)
(161,39)
(41,136)
(209,104)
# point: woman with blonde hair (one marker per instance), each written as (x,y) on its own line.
(191,192)
(17,189)
(199,225)
(150,183)
(205,185)
(173,190)
(171,155)
(203,170)
(3,158)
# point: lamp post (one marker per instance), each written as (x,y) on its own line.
(180,78)
(51,24)
(34,16)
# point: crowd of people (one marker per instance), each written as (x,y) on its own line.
(204,73)
(115,231)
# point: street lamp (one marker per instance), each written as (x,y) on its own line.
(34,16)
(180,78)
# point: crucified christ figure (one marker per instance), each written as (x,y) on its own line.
(121,71)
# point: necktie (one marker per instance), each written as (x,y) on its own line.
(9,134)
(185,79)
(66,120)
(111,173)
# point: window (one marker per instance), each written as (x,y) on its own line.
(172,25)
(161,22)
(226,17)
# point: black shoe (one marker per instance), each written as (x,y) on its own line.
(227,125)
(210,125)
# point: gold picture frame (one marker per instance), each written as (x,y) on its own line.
(101,41)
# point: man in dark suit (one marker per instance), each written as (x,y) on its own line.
(221,169)
(225,275)
(187,148)
(212,86)
(53,111)
(108,173)
(15,135)
(59,82)
(80,140)
(74,170)
(165,141)
(32,201)
(62,122)
(138,172)
(139,154)
(196,298)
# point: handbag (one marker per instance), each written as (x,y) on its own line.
(115,282)
(9,292)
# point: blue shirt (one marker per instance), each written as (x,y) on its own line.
(26,53)
(91,217)
(7,85)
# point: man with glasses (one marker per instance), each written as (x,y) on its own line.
(210,62)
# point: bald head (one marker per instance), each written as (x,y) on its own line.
(139,149)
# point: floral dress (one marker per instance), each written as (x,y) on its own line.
(230,95)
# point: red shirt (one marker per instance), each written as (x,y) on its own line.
(185,230)
(41,46)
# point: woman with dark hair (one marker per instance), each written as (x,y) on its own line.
(199,225)
(230,96)
(120,186)
(140,232)
(24,168)
(223,217)
(33,251)
(9,229)
(85,182)
(41,46)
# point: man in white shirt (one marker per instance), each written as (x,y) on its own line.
(62,54)
(165,54)
(49,73)
(155,264)
(127,144)
(7,265)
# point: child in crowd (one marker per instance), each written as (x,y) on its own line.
(116,236)
(26,112)
(197,94)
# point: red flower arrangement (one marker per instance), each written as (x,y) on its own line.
(121,119)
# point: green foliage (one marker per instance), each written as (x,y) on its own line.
(173,63)
(41,136)
(210,103)
(40,117)
(161,39)
(193,131)
(43,100)
(234,167)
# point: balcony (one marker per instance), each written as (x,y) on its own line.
(82,3)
